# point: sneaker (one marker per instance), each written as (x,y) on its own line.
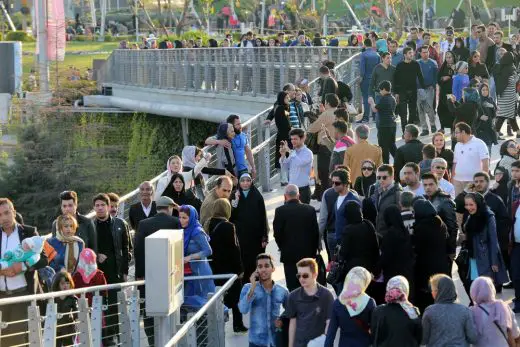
(508,285)
(434,129)
(425,133)
(362,121)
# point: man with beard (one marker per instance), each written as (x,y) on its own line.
(143,209)
(114,204)
(221,190)
(69,205)
(412,175)
(445,207)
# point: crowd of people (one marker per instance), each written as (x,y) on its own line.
(390,229)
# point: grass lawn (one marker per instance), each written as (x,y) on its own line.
(72,46)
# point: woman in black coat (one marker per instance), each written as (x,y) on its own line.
(250,219)
(429,238)
(476,69)
(225,258)
(281,119)
(461,52)
(397,254)
(502,178)
(177,192)
(445,80)
(367,178)
(359,246)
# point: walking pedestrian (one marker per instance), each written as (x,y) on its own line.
(445,81)
(426,96)
(385,120)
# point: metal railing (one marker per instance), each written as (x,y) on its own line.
(259,71)
(262,138)
(87,325)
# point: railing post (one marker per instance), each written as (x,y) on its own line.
(96,319)
(162,330)
(49,329)
(34,325)
(265,169)
(215,319)
(84,326)
(121,210)
(190,339)
(124,320)
(133,313)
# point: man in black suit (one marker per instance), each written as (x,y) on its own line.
(19,279)
(162,220)
(296,233)
(143,209)
(410,152)
(492,55)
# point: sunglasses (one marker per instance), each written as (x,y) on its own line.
(305,276)
(336,183)
(381,177)
(440,168)
(368,168)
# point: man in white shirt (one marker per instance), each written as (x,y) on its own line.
(449,43)
(439,166)
(412,173)
(18,279)
(471,156)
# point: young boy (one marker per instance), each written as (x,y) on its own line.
(385,120)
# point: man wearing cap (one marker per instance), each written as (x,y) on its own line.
(162,220)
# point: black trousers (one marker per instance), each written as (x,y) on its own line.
(386,140)
(324,155)
(290,275)
(305,194)
(110,333)
(511,121)
(14,312)
(408,107)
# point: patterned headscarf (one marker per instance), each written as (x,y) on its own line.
(353,294)
(397,291)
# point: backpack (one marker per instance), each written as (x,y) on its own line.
(344,92)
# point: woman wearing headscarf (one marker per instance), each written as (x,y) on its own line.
(461,52)
(476,68)
(486,117)
(281,119)
(445,81)
(250,218)
(226,256)
(460,80)
(225,156)
(63,249)
(505,81)
(480,231)
(502,178)
(196,252)
(178,193)
(367,178)
(466,110)
(429,238)
(447,323)
(351,311)
(508,154)
(359,246)
(396,323)
(494,320)
(397,255)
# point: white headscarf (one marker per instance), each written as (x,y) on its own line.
(353,294)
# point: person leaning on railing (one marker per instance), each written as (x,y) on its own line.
(17,279)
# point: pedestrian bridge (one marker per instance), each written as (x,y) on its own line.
(187,326)
(206,83)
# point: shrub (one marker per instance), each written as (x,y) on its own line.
(19,36)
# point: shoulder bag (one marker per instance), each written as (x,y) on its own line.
(509,338)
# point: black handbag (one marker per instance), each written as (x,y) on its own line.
(322,270)
(311,141)
(462,261)
(337,268)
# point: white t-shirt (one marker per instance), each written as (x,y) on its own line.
(447,187)
(417,192)
(340,200)
(468,158)
(10,243)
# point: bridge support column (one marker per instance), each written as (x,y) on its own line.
(185,131)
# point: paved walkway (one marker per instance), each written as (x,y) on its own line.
(274,199)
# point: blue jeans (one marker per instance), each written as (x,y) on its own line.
(364,91)
(331,243)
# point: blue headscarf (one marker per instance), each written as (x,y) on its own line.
(471,95)
(193,228)
(381,46)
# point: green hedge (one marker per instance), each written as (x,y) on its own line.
(18,36)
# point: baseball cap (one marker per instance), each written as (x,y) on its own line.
(164,201)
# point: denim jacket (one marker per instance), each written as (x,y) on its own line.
(265,309)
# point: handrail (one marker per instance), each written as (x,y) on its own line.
(193,320)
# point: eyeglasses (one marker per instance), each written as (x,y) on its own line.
(367,168)
(381,177)
(336,183)
(304,276)
(440,168)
